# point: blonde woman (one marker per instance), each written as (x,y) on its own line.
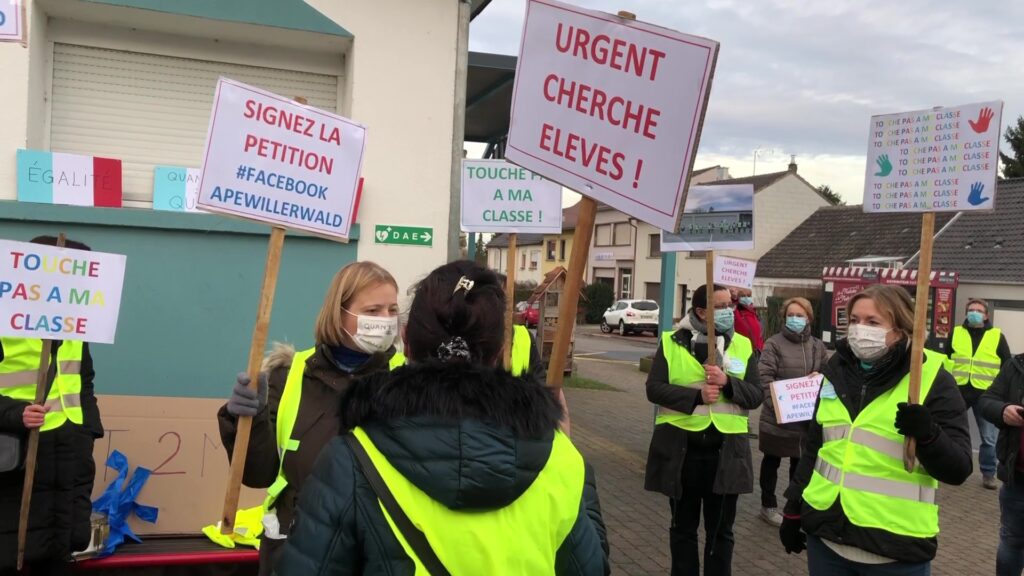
(299,392)
(863,513)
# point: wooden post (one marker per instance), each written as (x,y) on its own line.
(709,308)
(510,296)
(571,293)
(32,452)
(924,273)
(256,348)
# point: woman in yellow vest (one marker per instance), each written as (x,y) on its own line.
(863,513)
(69,422)
(295,411)
(700,454)
(467,459)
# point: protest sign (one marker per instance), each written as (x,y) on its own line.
(11,21)
(716,217)
(610,107)
(734,272)
(59,293)
(939,160)
(274,160)
(176,189)
(58,178)
(502,197)
(794,399)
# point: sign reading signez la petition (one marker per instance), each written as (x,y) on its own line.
(610,108)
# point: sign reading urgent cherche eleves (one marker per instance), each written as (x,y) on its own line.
(271,159)
(940,160)
(59,293)
(501,197)
(610,108)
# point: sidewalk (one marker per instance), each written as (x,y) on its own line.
(613,429)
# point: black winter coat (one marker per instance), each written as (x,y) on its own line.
(470,437)
(62,489)
(946,456)
(669,444)
(1006,389)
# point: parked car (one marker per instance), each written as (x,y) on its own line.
(629,316)
(526,313)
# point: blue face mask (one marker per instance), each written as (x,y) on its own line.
(796,324)
(747,300)
(975,318)
(724,319)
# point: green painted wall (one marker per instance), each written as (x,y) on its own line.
(191,290)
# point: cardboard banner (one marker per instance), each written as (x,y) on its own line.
(609,107)
(11,21)
(719,217)
(59,293)
(735,272)
(942,160)
(176,189)
(501,197)
(273,160)
(795,399)
(58,178)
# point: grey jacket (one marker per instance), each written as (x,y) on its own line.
(786,355)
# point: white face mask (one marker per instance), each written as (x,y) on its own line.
(374,333)
(867,342)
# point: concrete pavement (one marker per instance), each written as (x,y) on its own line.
(613,428)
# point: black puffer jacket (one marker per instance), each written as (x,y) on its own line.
(946,456)
(471,438)
(1007,389)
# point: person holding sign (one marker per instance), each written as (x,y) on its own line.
(294,412)
(862,511)
(69,422)
(792,353)
(700,453)
(976,351)
(466,459)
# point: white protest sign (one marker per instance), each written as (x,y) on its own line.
(794,399)
(11,25)
(274,160)
(610,108)
(501,197)
(735,272)
(59,293)
(716,217)
(941,160)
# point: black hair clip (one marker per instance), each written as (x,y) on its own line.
(453,348)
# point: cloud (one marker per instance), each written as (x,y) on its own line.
(805,78)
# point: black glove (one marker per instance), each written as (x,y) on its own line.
(792,535)
(915,421)
(244,401)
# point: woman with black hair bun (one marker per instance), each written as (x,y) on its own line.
(450,465)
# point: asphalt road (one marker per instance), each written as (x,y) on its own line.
(591,344)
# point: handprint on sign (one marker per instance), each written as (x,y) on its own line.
(984,118)
(975,198)
(884,166)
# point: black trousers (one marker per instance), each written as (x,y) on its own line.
(719,512)
(770,478)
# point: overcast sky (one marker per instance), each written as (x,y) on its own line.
(804,78)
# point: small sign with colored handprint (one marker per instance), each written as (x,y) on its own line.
(938,160)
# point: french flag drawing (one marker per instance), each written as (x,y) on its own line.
(58,178)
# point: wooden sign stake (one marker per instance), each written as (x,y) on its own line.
(709,308)
(924,273)
(510,296)
(569,303)
(258,345)
(32,453)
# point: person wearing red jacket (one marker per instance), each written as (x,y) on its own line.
(747,323)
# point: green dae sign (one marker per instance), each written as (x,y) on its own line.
(404,235)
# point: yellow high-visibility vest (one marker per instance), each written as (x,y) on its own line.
(980,368)
(20,367)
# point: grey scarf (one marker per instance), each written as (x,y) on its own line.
(700,334)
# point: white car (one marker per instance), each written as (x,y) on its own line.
(631,316)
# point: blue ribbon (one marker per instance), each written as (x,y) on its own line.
(118,502)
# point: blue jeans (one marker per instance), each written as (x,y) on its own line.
(1010,556)
(822,561)
(987,450)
